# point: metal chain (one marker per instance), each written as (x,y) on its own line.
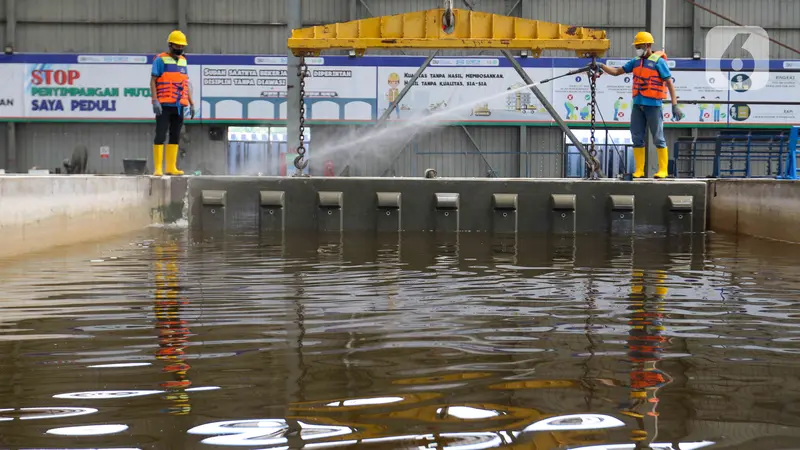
(593,164)
(299,162)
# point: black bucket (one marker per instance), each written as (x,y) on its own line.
(136,166)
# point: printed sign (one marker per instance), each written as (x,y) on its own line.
(259,92)
(481,93)
(475,90)
(86,91)
(11,98)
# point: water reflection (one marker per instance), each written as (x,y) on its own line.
(92,395)
(88,430)
(173,330)
(645,347)
(43,413)
(467,425)
(304,433)
(653,446)
(432,341)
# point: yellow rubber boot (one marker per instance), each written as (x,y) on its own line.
(158,160)
(661,277)
(172,160)
(638,156)
(663,161)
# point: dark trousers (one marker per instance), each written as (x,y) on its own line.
(172,119)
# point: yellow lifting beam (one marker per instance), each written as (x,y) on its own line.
(472,30)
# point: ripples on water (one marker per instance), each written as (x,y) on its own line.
(430,342)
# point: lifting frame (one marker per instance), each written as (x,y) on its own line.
(450,28)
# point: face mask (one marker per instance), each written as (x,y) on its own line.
(177,51)
(639,52)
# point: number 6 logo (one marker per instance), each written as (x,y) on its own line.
(720,40)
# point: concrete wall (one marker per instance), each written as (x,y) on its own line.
(761,208)
(338,204)
(38,212)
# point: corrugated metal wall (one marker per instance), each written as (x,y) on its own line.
(3,145)
(450,150)
(121,26)
(258,27)
(541,158)
(452,153)
(3,20)
(47,145)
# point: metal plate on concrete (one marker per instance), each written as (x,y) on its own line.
(271,217)
(680,214)
(330,214)
(621,214)
(446,214)
(563,215)
(389,218)
(504,214)
(213,213)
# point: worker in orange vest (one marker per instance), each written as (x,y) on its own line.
(170,309)
(651,80)
(646,343)
(169,87)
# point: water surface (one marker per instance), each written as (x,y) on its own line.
(165,340)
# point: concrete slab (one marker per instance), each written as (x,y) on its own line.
(764,208)
(42,211)
(563,206)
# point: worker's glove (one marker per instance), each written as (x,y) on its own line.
(157,108)
(676,112)
(191,111)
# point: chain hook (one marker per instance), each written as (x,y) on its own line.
(593,165)
(300,162)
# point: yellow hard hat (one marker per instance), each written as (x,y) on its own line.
(177,37)
(643,37)
(394,77)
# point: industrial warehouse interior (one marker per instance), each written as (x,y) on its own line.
(392,224)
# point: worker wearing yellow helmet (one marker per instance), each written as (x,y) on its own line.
(651,80)
(394,91)
(169,87)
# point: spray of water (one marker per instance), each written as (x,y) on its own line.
(380,141)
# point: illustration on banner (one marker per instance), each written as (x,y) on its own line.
(519,100)
(393,93)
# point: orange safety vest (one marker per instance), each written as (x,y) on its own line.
(173,84)
(643,379)
(647,81)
